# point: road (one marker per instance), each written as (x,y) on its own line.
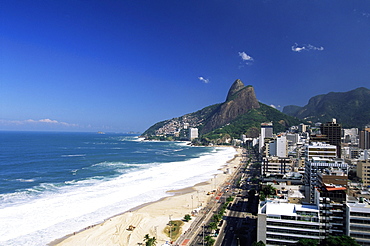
(238,224)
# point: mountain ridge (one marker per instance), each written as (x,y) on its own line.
(350,108)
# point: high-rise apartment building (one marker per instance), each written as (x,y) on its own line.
(363,171)
(287,223)
(333,132)
(332,205)
(278,147)
(317,165)
(276,165)
(282,222)
(358,221)
(193,133)
(317,149)
(364,141)
(302,127)
(350,136)
(292,138)
(266,132)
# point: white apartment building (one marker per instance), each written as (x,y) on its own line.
(358,218)
(278,147)
(193,133)
(318,149)
(302,127)
(287,223)
(350,136)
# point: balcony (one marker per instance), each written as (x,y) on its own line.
(362,240)
(326,212)
(270,228)
(288,236)
(364,233)
(360,218)
(312,221)
(354,225)
(270,241)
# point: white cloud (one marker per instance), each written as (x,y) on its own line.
(245,57)
(311,47)
(31,121)
(297,49)
(49,121)
(203,79)
(306,47)
(274,106)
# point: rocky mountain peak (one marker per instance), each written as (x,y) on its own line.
(240,100)
(235,87)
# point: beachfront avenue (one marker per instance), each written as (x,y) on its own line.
(237,225)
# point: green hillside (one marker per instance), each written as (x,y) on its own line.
(351,109)
(249,124)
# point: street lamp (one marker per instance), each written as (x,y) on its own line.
(203,233)
(170,228)
(215,180)
(155,230)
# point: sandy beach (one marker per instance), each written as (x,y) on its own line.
(152,218)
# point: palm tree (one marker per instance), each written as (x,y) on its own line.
(150,241)
(209,240)
(213,225)
(153,241)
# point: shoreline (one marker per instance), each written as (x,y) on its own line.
(151,218)
(174,192)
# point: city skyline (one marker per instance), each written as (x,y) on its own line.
(123,66)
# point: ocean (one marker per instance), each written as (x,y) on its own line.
(56,183)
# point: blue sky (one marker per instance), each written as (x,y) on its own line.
(124,65)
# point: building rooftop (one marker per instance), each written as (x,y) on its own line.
(359,207)
(277,208)
(320,144)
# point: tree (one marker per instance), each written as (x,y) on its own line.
(230,199)
(213,225)
(307,242)
(150,241)
(209,240)
(339,241)
(262,196)
(252,132)
(217,217)
(187,217)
